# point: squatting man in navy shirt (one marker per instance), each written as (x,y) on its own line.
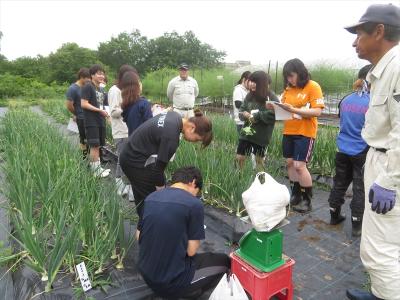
(171,230)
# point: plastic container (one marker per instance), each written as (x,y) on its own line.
(262,285)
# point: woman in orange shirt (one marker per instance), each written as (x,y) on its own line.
(303,98)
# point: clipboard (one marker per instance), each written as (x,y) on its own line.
(280,113)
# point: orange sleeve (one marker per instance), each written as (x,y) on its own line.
(316,96)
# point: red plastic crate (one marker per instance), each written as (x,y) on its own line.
(264,285)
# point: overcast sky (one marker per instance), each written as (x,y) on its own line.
(257,31)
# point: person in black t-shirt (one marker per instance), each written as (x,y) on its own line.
(151,146)
(168,242)
(92,102)
(73,104)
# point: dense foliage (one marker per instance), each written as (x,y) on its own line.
(17,86)
(60,213)
(132,48)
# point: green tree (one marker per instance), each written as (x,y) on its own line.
(30,67)
(126,48)
(4,64)
(171,49)
(67,60)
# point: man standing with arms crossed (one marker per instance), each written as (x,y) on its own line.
(182,91)
(92,101)
(73,104)
(378,35)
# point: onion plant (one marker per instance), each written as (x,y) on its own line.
(61,213)
(224,182)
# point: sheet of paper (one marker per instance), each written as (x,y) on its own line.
(280,113)
(72,126)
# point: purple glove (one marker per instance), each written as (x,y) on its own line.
(382,199)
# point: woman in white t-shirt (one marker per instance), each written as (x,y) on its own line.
(118,126)
(239,93)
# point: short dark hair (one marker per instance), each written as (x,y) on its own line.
(122,70)
(203,126)
(83,73)
(262,81)
(96,68)
(187,175)
(362,74)
(295,65)
(245,75)
(391,34)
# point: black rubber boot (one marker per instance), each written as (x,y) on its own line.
(336,216)
(356,223)
(305,204)
(354,294)
(295,198)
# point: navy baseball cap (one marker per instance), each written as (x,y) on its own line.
(387,14)
(183,66)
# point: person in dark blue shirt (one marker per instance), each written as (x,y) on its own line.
(350,158)
(171,230)
(135,109)
(73,104)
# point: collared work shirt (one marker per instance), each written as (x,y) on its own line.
(382,120)
(183,92)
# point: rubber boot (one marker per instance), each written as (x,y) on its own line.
(356,223)
(336,216)
(296,194)
(305,204)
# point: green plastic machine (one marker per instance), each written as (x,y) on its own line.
(262,250)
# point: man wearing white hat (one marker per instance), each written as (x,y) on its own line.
(378,35)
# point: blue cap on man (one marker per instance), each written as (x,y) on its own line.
(387,14)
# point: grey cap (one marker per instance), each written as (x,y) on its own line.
(183,66)
(387,14)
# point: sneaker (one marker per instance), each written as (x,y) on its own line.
(100,172)
(131,197)
(122,188)
(125,190)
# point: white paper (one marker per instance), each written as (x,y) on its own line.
(254,111)
(107,109)
(280,113)
(72,126)
(83,276)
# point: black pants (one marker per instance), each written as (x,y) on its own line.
(82,132)
(210,267)
(143,182)
(349,169)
